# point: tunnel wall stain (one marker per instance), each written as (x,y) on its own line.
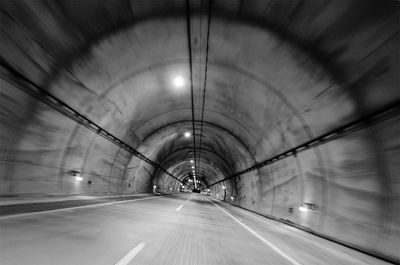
(36,164)
(357,200)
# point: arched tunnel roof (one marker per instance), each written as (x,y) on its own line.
(258,78)
(267,85)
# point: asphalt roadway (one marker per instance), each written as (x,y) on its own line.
(179,229)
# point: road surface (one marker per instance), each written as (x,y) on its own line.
(180,229)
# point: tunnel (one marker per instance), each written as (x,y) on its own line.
(199,132)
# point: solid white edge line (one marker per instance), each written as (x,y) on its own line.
(254,233)
(131,254)
(72,208)
(177,209)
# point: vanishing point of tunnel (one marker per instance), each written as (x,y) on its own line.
(184,132)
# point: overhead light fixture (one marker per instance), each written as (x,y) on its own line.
(187,134)
(179,81)
(78,178)
(192,166)
(223,187)
(191,161)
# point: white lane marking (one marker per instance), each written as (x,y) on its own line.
(72,208)
(131,254)
(177,209)
(254,233)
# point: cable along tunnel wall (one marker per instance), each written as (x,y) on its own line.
(106,175)
(346,188)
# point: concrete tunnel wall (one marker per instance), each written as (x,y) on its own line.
(257,105)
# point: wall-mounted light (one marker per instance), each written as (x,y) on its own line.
(78,175)
(78,178)
(303,209)
(306,207)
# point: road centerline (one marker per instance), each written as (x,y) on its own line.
(131,254)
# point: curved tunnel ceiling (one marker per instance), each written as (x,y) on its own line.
(277,75)
(265,84)
(121,74)
(125,83)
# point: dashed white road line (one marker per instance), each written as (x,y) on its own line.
(131,254)
(177,209)
(254,233)
(73,208)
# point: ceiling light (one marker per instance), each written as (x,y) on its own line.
(191,161)
(179,81)
(187,134)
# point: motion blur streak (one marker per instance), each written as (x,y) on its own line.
(152,232)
